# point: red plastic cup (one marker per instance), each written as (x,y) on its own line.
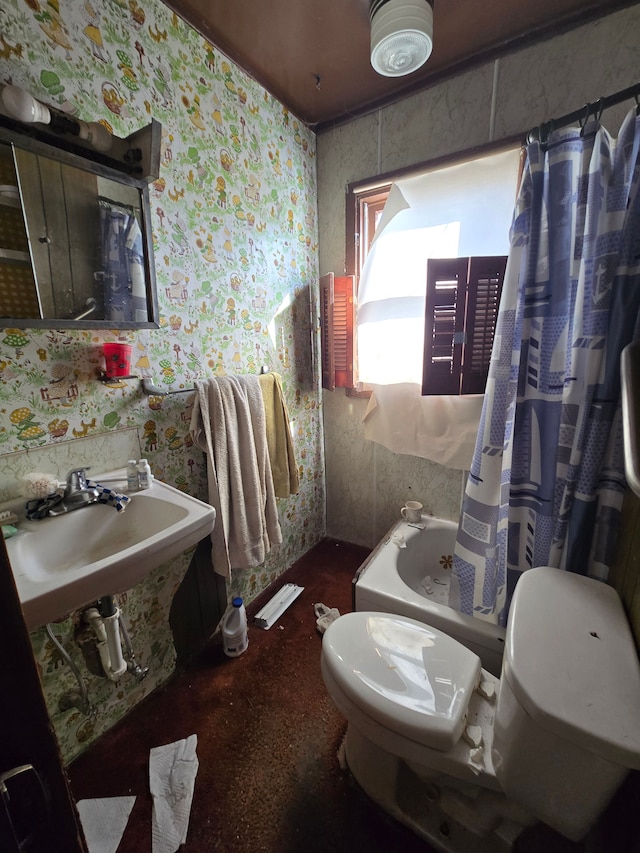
(117,359)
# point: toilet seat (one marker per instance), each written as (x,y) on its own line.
(404,675)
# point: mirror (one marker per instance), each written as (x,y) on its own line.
(75,241)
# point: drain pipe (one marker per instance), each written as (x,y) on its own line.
(105,623)
(133,666)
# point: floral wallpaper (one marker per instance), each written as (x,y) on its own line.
(235,241)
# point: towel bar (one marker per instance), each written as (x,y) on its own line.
(149,388)
(153,390)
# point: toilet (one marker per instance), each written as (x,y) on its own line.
(468,760)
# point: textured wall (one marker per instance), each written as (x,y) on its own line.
(366,483)
(235,240)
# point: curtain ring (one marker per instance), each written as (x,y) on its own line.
(598,109)
(583,122)
(546,130)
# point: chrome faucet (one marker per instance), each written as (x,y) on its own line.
(78,493)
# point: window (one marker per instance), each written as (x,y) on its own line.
(453,213)
(338,293)
(370,205)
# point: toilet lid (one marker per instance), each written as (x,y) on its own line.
(405,675)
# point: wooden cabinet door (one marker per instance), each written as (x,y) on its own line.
(37,813)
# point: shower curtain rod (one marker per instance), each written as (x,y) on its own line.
(542,132)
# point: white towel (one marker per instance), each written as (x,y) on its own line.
(228,423)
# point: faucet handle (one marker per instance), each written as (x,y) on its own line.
(77,478)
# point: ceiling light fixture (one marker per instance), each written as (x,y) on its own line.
(401,35)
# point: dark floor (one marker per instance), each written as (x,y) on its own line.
(268,737)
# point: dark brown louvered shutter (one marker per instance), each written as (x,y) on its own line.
(485,279)
(337,315)
(462,303)
(444,325)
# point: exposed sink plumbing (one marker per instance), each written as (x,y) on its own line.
(72,698)
(138,672)
(108,624)
(105,622)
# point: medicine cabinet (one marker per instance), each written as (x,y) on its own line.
(75,234)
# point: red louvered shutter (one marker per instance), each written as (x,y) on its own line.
(337,316)
(326,331)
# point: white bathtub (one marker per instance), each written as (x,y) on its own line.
(414,582)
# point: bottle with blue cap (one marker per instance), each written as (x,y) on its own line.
(234,629)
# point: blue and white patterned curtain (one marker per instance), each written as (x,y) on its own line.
(122,262)
(546,482)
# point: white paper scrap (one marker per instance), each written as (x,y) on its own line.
(104,821)
(476,760)
(172,776)
(488,690)
(399,540)
(473,736)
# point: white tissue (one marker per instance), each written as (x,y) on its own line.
(488,690)
(398,539)
(476,760)
(172,776)
(104,822)
(38,485)
(473,736)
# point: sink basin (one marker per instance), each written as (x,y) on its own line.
(62,564)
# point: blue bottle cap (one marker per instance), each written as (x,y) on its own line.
(237,602)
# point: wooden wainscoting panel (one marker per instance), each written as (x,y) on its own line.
(625,576)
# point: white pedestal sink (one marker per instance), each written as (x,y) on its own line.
(64,563)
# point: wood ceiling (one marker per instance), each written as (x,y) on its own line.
(313,55)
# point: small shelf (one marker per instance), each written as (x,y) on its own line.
(137,155)
(14,256)
(10,201)
(103,377)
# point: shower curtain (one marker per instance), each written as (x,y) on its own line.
(547,481)
(122,263)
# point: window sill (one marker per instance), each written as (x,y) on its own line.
(360,391)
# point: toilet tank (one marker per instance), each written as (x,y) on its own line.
(567,726)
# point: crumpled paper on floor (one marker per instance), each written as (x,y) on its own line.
(172,776)
(325,616)
(104,821)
